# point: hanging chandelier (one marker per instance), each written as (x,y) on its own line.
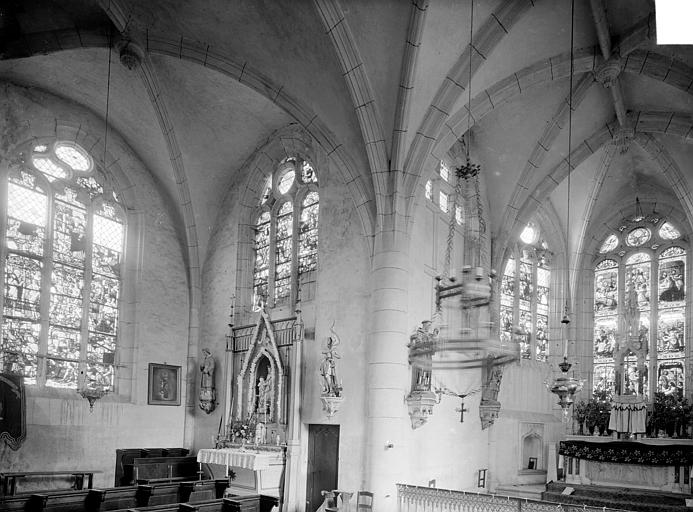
(473,343)
(564,386)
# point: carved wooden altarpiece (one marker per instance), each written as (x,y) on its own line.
(262,357)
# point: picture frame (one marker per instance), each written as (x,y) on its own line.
(164,384)
(532,463)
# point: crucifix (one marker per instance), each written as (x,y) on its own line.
(461,410)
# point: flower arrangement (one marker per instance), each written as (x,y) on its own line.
(243,430)
(671,414)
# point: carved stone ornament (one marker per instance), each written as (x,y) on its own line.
(331,404)
(488,413)
(420,405)
(130,54)
(607,73)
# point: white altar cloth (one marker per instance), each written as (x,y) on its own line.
(233,457)
(628,414)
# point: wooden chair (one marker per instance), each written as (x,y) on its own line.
(364,501)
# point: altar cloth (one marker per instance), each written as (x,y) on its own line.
(628,414)
(234,457)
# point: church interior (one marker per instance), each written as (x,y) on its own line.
(424,253)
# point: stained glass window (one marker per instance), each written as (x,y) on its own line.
(529,234)
(286,234)
(283,251)
(444,171)
(643,331)
(524,299)
(609,244)
(61,268)
(308,234)
(638,237)
(669,232)
(443,201)
(459,215)
(285,182)
(262,250)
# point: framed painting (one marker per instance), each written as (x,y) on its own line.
(164,384)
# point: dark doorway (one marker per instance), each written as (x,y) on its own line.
(323,461)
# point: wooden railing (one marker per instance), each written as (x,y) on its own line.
(412,498)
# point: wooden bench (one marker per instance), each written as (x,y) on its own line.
(115,498)
(9,479)
(148,470)
(126,456)
(57,501)
(216,505)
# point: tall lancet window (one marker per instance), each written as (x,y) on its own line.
(640,309)
(524,297)
(286,235)
(61,262)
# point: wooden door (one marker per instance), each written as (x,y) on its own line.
(323,462)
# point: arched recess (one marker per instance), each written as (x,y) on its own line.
(49,129)
(546,219)
(289,141)
(658,206)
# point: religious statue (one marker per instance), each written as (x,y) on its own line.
(264,394)
(632,315)
(328,367)
(208,394)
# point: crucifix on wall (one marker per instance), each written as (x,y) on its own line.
(462,410)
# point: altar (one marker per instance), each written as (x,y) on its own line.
(257,470)
(646,463)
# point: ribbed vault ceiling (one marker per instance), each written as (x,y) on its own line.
(378,82)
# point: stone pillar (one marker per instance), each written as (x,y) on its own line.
(387,372)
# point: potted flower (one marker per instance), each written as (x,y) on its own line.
(580,415)
(670,414)
(604,415)
(592,414)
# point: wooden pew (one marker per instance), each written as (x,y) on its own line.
(57,501)
(115,498)
(251,503)
(9,478)
(123,467)
(125,461)
(201,490)
(148,470)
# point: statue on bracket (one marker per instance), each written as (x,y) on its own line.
(489,407)
(421,398)
(208,393)
(331,394)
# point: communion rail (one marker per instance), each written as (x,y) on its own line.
(412,498)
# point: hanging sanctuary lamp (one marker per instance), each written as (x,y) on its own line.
(564,386)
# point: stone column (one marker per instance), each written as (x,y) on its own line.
(387,371)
